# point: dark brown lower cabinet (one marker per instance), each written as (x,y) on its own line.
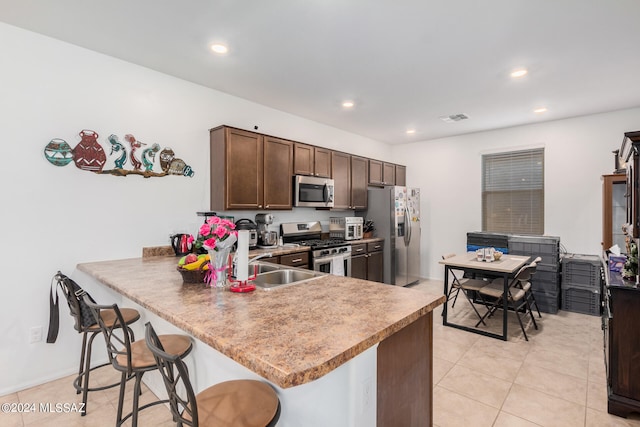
(367,262)
(622,350)
(359,261)
(298,259)
(375,268)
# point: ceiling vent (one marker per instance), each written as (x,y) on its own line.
(454,118)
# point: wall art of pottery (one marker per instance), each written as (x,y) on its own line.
(89,155)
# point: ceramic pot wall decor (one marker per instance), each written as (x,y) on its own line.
(90,156)
(58,152)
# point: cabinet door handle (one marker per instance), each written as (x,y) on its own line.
(296,260)
(359,250)
(267,206)
(260,206)
(376,247)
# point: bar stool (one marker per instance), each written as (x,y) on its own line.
(247,403)
(133,358)
(86,325)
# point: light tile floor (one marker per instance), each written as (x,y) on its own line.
(557,378)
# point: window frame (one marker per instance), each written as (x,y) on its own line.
(513,189)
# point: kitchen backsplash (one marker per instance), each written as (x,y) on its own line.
(294,215)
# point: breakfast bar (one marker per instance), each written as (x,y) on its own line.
(328,345)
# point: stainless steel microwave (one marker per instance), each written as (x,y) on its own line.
(310,191)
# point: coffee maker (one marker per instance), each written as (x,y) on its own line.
(266,238)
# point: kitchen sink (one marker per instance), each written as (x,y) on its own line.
(284,276)
(263,267)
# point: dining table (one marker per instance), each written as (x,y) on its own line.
(506,268)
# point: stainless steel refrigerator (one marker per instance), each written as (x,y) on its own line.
(395,212)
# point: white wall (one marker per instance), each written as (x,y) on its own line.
(55,217)
(577,153)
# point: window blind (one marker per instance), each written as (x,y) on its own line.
(513,192)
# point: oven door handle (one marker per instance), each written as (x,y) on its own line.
(329,259)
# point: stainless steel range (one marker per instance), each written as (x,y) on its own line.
(331,256)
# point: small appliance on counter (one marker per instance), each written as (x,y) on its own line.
(247,224)
(347,228)
(180,244)
(266,238)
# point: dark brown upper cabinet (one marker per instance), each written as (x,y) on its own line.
(312,161)
(401,175)
(278,169)
(383,173)
(388,173)
(351,176)
(359,182)
(341,174)
(249,170)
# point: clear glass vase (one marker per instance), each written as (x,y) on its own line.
(220,263)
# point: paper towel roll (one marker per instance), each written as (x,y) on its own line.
(242,256)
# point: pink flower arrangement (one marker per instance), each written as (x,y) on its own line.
(214,231)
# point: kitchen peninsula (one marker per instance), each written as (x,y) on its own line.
(326,345)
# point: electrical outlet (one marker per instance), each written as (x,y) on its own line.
(35,334)
(367,393)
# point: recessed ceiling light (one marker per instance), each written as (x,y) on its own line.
(348,104)
(519,73)
(411,131)
(540,110)
(219,48)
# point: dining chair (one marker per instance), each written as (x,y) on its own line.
(86,325)
(465,285)
(246,403)
(526,285)
(516,296)
(133,358)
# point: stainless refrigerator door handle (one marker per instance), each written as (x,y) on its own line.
(407,227)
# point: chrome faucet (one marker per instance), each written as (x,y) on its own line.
(266,255)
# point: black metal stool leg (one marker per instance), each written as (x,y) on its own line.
(87,371)
(77,383)
(123,382)
(136,400)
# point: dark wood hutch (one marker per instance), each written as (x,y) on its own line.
(621,314)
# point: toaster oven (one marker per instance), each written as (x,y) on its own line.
(347,228)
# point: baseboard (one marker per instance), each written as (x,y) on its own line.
(43,380)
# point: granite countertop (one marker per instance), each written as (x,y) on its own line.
(290,335)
